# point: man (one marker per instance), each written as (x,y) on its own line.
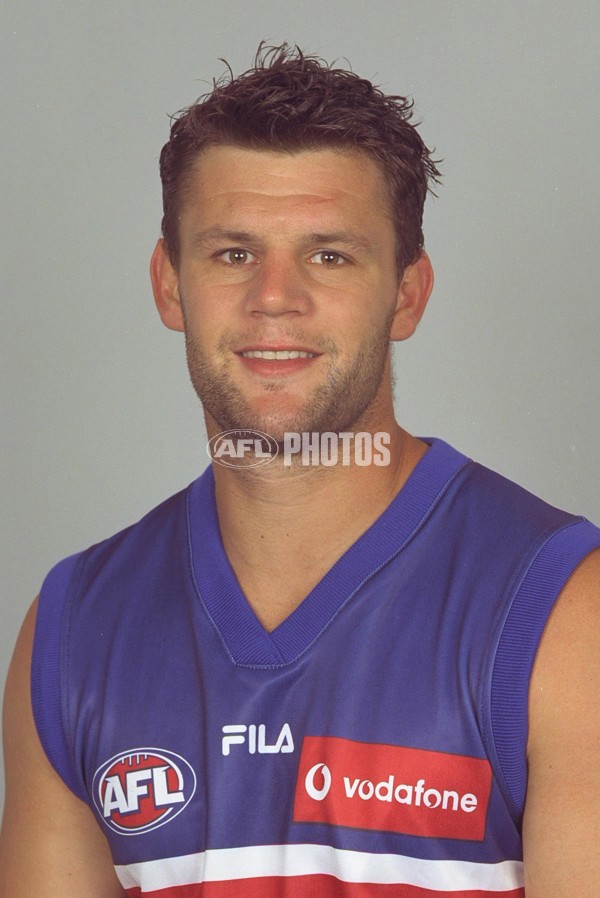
(300,677)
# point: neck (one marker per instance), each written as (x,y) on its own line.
(284,527)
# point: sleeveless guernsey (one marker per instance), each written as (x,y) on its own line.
(373,744)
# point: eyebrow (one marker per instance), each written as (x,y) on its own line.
(212,235)
(344,238)
(351,239)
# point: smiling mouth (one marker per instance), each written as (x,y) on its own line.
(277,354)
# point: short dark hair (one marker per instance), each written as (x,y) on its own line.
(290,101)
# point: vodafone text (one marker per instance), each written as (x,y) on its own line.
(386,790)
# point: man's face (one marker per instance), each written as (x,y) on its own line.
(289,254)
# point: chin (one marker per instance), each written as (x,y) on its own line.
(277,429)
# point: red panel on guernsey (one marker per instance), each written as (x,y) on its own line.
(313,886)
(393,788)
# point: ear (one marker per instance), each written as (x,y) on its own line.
(414,291)
(165,286)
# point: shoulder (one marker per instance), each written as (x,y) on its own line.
(155,529)
(87,602)
(114,558)
(546,543)
(509,500)
(169,513)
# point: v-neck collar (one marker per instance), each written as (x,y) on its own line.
(245,639)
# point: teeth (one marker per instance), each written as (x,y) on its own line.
(279,354)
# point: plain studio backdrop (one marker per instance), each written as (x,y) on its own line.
(100,422)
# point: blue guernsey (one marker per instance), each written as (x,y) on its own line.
(372,745)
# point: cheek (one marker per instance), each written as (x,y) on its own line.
(359,317)
(209,334)
(205,299)
(198,305)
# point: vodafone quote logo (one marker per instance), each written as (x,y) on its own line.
(142,789)
(392,788)
(309,782)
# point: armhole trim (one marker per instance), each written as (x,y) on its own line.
(47,672)
(518,645)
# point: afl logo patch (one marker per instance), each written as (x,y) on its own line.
(142,789)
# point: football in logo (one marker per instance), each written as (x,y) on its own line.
(142,789)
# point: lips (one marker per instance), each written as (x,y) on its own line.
(276,360)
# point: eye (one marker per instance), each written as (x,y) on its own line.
(236,256)
(329,258)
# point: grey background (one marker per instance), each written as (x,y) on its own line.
(100,422)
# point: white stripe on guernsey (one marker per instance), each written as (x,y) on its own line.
(222,864)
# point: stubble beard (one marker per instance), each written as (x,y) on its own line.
(346,402)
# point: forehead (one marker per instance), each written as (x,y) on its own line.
(321,181)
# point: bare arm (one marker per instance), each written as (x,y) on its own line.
(562,814)
(50,844)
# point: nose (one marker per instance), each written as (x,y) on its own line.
(278,288)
